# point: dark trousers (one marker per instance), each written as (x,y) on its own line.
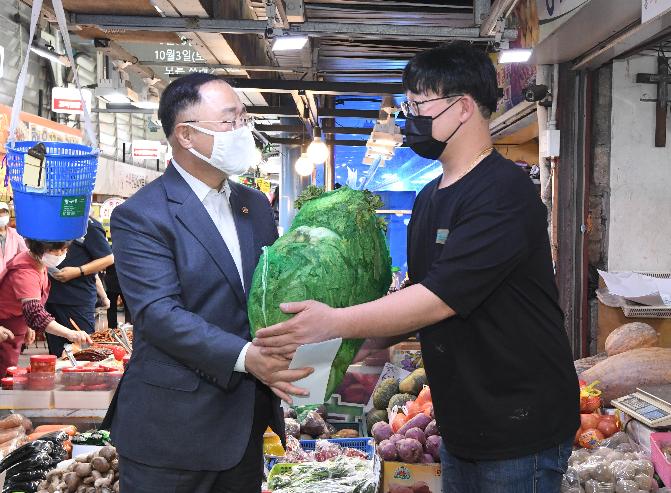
(83,316)
(112,320)
(246,477)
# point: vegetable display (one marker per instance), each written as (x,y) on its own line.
(618,466)
(623,373)
(339,475)
(311,424)
(94,473)
(412,434)
(27,466)
(335,252)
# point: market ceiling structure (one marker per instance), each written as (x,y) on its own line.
(356,47)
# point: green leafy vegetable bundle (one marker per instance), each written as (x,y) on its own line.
(335,252)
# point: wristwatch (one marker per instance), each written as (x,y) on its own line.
(81,271)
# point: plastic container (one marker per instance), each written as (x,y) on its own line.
(662,465)
(126,360)
(93,377)
(13,371)
(60,211)
(41,381)
(71,377)
(20,382)
(43,363)
(7,383)
(113,378)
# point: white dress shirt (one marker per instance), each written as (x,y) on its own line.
(218,206)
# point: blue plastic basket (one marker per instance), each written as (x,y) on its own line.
(364,444)
(60,211)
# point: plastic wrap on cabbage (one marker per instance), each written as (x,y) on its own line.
(340,475)
(335,252)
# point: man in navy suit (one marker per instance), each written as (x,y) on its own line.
(190,412)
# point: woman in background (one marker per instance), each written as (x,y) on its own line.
(24,289)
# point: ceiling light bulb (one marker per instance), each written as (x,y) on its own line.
(318,151)
(304,165)
(515,56)
(286,43)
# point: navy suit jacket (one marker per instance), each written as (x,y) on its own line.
(180,404)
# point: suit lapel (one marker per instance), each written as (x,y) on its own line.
(193,216)
(244,227)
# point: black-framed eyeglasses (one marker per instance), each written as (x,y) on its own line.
(412,107)
(242,121)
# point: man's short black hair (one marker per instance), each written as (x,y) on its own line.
(454,68)
(39,248)
(179,95)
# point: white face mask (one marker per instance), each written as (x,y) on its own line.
(52,261)
(233,152)
(4,221)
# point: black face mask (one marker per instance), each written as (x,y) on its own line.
(418,134)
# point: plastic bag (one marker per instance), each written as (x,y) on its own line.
(336,253)
(618,466)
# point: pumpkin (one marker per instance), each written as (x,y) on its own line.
(623,373)
(631,336)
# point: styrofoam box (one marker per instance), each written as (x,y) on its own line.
(26,399)
(64,399)
(78,450)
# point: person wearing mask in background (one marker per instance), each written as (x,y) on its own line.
(11,243)
(483,297)
(186,246)
(73,293)
(24,288)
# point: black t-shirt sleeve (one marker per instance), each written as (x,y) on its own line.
(96,243)
(483,248)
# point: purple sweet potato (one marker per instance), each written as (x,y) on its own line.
(410,450)
(433,444)
(417,434)
(381,431)
(420,421)
(387,450)
(432,429)
(427,459)
(395,438)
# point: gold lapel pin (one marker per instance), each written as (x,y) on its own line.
(245,210)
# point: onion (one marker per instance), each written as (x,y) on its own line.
(588,421)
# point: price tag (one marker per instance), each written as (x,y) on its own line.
(73,206)
(34,174)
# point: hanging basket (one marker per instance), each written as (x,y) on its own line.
(60,211)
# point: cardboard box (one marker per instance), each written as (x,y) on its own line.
(400,474)
(26,399)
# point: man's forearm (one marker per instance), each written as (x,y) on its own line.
(399,313)
(97,265)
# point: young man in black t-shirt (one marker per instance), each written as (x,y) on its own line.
(483,297)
